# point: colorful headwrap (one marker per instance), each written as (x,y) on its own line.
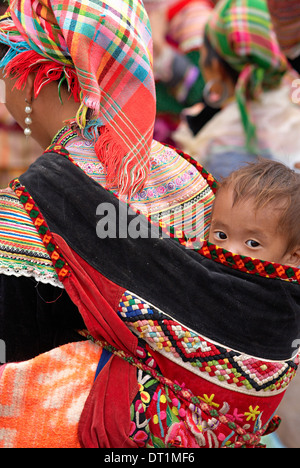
(104,51)
(241,32)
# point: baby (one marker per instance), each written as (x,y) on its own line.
(257,213)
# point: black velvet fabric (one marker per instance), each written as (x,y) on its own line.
(251,314)
(35,318)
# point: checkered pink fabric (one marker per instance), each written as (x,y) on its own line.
(109,45)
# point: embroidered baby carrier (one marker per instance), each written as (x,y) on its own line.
(198,345)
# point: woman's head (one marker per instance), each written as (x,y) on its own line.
(103,51)
(240,32)
(216,72)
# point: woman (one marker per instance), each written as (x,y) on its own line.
(177,28)
(244,71)
(285,19)
(149,358)
(156,182)
(15,156)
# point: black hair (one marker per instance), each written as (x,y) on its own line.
(3,47)
(212,54)
(3,6)
(3,50)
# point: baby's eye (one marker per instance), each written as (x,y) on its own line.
(221,235)
(253,244)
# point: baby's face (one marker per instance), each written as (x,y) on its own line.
(245,231)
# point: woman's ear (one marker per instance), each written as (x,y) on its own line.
(29,88)
(217,69)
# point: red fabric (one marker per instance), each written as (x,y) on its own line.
(106,418)
(97,299)
(106,421)
(175,9)
(45,71)
(238,401)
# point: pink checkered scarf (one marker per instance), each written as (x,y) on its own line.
(109,47)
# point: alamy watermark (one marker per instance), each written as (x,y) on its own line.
(122,222)
(296,91)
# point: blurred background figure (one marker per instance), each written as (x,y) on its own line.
(16,151)
(245,81)
(285,16)
(178,32)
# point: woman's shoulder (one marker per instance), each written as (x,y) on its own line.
(22,252)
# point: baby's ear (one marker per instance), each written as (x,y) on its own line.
(293,259)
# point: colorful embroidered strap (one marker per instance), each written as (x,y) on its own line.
(150,322)
(42,228)
(244,438)
(108,44)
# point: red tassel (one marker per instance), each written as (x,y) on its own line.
(46,71)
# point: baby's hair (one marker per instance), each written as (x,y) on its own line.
(270,183)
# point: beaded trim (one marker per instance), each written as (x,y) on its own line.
(63,137)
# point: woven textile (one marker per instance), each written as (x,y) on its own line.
(175,193)
(21,251)
(220,365)
(216,382)
(187,20)
(109,45)
(41,400)
(241,32)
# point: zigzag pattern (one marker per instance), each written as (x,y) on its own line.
(219,364)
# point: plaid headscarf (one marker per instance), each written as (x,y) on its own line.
(241,32)
(104,51)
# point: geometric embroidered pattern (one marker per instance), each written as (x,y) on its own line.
(183,346)
(42,228)
(250,265)
(22,252)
